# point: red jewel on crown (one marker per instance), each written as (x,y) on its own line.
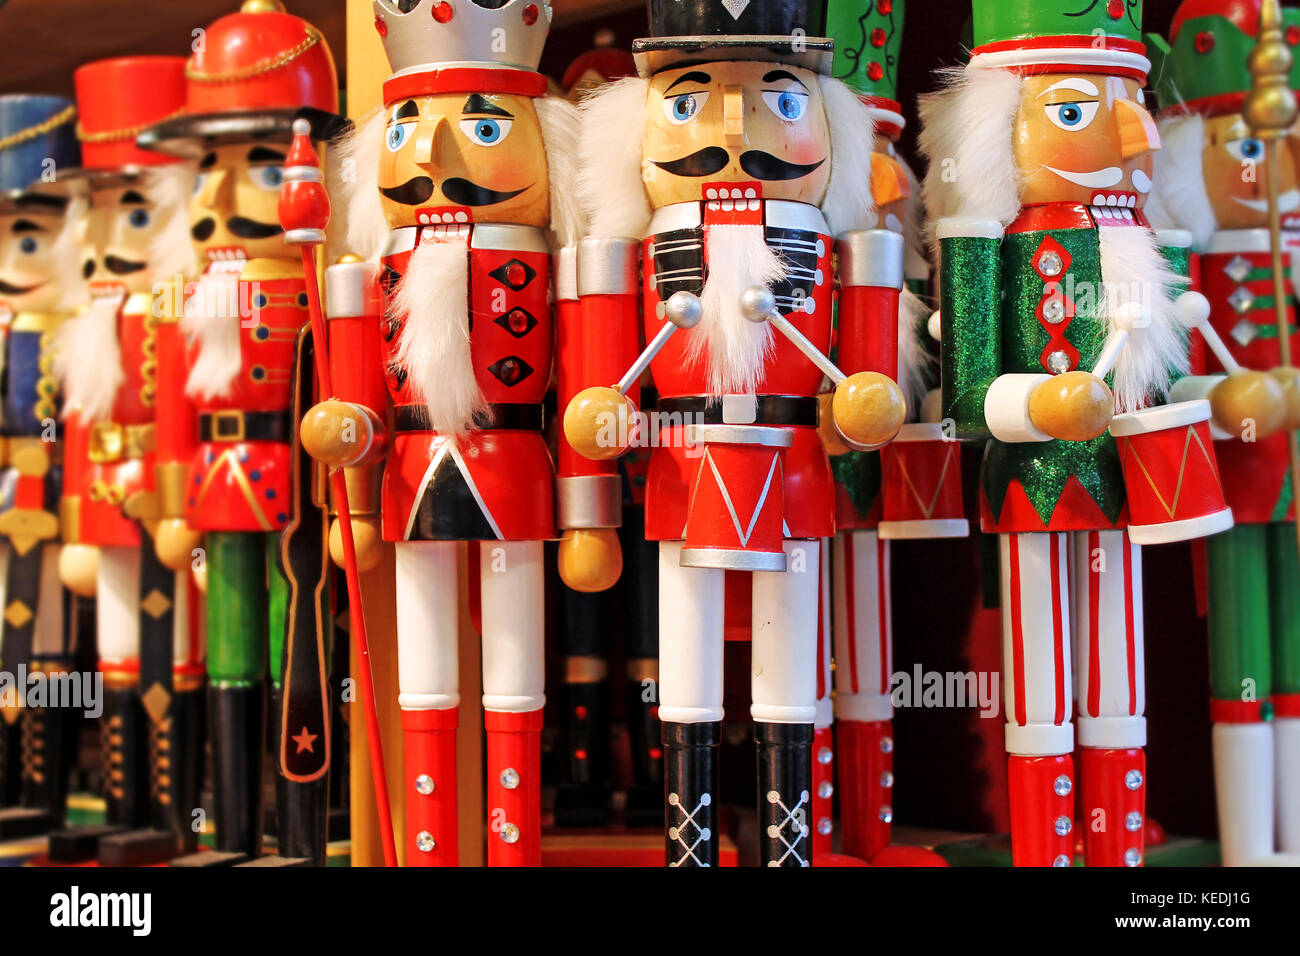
(875,72)
(442,12)
(885,6)
(1115,9)
(530,14)
(1292,35)
(1204,41)
(381,26)
(878,37)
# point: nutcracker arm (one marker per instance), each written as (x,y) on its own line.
(870,267)
(970,293)
(176,417)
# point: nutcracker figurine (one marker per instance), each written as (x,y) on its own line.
(1060,308)
(731,172)
(455,182)
(136,239)
(923,500)
(224,471)
(39,287)
(1210,180)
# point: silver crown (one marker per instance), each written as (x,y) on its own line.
(421,34)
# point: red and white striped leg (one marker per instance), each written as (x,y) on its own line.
(863,710)
(1036,676)
(1108,627)
(512,579)
(823,767)
(429,694)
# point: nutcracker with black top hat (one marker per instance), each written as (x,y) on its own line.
(457,180)
(1063,322)
(1211,180)
(40,286)
(137,237)
(226,366)
(726,175)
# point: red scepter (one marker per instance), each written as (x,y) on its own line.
(304,214)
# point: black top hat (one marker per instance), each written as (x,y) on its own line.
(693,31)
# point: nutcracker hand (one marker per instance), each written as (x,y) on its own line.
(599,423)
(1289,379)
(79,568)
(590,559)
(339,434)
(175,541)
(1250,401)
(1072,406)
(868,409)
(366,539)
(831,438)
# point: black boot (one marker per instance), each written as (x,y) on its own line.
(645,737)
(126,758)
(583,799)
(237,716)
(691,788)
(47,747)
(784,791)
(10,758)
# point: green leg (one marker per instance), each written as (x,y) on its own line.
(277,607)
(1284,596)
(1240,667)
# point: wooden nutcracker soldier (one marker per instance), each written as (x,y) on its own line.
(226,362)
(39,287)
(924,499)
(136,240)
(455,183)
(1061,308)
(1211,181)
(731,171)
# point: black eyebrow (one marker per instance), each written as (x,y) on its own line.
(782,75)
(695,76)
(407,110)
(260,154)
(480,104)
(26,225)
(133,198)
(208,161)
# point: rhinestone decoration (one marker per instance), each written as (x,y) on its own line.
(1058,362)
(1132,856)
(1237,269)
(1244,332)
(1062,860)
(886,814)
(424,784)
(510,833)
(509,778)
(1062,825)
(825,789)
(824,756)
(1242,299)
(1062,786)
(886,745)
(1133,779)
(1049,263)
(1133,822)
(824,826)
(424,841)
(1054,310)
(886,779)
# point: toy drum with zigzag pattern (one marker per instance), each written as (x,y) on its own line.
(1170,473)
(921,479)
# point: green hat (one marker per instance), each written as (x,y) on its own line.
(1050,36)
(1203,67)
(867,35)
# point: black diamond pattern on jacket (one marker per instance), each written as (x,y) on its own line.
(508,274)
(510,370)
(517,317)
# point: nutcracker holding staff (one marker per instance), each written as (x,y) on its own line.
(1210,180)
(1061,308)
(728,175)
(456,181)
(40,285)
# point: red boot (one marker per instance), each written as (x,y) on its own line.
(1114,806)
(514,778)
(429,746)
(1042,802)
(866,779)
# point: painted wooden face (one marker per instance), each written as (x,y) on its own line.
(29,272)
(235,203)
(1084,138)
(736,123)
(1235,166)
(476,157)
(122,233)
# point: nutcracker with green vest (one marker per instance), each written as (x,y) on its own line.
(40,286)
(1063,326)
(1210,181)
(910,489)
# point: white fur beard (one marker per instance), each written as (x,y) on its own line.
(212,321)
(88,363)
(171,254)
(432,301)
(737,257)
(913,360)
(1133,270)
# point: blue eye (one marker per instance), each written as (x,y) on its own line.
(684,107)
(138,218)
(1251,149)
(1072,116)
(788,105)
(27,245)
(486,131)
(398,135)
(267,177)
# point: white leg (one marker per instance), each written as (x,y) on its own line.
(690,639)
(1035,643)
(514,616)
(187,620)
(1286,739)
(117,605)
(1243,778)
(863,624)
(427,586)
(824,712)
(784,650)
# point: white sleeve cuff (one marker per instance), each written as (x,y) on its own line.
(1006,408)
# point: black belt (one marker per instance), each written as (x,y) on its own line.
(769,410)
(500,416)
(233,425)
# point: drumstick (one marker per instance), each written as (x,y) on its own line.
(1193,310)
(683,311)
(1126,317)
(759,305)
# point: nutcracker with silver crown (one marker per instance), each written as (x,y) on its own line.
(449,319)
(1211,180)
(225,372)
(137,237)
(911,489)
(40,286)
(719,189)
(1063,321)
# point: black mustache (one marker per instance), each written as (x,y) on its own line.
(251,228)
(413,192)
(203,229)
(763,165)
(121,267)
(705,162)
(462,192)
(9,289)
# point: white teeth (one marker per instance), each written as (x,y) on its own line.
(713,206)
(753,205)
(462,216)
(735,193)
(1099,200)
(423,218)
(1112,200)
(1132,201)
(1127,213)
(711,193)
(751,193)
(728,205)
